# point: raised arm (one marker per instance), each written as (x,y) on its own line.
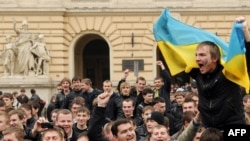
(167,85)
(14,26)
(245,29)
(97,120)
(126,73)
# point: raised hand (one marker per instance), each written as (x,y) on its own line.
(103,99)
(126,73)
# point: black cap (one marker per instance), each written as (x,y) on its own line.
(157,116)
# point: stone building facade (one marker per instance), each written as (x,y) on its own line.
(99,38)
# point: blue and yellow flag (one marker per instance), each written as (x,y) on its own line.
(178,41)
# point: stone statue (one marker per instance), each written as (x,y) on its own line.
(25,59)
(27,55)
(42,56)
(9,57)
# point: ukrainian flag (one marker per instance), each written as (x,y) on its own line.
(177,42)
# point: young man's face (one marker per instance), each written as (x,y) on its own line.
(85,86)
(77,85)
(8,102)
(10,137)
(4,124)
(179,99)
(146,114)
(148,98)
(107,87)
(160,134)
(150,124)
(125,90)
(23,93)
(59,88)
(158,84)
(65,121)
(247,102)
(82,118)
(127,108)
(204,59)
(160,107)
(172,97)
(65,85)
(52,136)
(74,108)
(140,85)
(126,132)
(189,106)
(15,121)
(53,117)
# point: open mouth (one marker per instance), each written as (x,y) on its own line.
(200,65)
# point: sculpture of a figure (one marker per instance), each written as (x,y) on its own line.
(9,57)
(25,59)
(42,56)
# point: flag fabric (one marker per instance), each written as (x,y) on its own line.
(177,42)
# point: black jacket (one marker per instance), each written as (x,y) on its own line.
(69,98)
(97,121)
(114,107)
(60,100)
(220,100)
(22,99)
(89,98)
(164,91)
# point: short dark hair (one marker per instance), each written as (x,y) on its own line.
(129,100)
(76,78)
(212,134)
(158,100)
(32,91)
(22,90)
(8,95)
(147,91)
(78,100)
(118,122)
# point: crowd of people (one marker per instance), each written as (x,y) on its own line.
(198,111)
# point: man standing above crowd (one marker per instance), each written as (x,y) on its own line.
(220,99)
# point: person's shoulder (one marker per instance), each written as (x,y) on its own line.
(97,91)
